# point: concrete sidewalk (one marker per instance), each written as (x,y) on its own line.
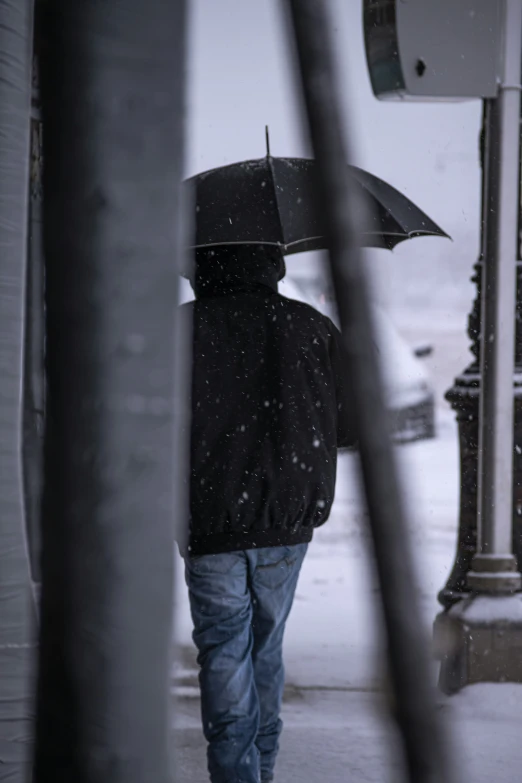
(345,744)
(339,737)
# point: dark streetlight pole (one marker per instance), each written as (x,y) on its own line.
(464,398)
(480,633)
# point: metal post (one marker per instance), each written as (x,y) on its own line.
(422,734)
(464,398)
(494,566)
(17,615)
(112,93)
(34,372)
(480,636)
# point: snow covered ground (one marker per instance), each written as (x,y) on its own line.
(338,737)
(336,722)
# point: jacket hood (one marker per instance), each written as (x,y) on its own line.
(223,271)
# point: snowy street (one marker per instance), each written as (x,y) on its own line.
(335,724)
(336,728)
(252,255)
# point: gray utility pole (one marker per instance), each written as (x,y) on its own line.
(484,631)
(494,566)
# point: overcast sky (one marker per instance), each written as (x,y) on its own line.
(241,79)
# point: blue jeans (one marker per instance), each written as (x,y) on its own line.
(240,602)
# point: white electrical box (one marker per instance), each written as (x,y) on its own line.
(433,49)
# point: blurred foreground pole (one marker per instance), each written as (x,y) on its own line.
(112,103)
(424,746)
(34,343)
(17,616)
(479,638)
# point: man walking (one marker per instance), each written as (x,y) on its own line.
(269,412)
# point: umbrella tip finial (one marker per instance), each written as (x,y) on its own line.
(267,137)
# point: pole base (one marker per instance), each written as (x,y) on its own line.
(480,640)
(494,574)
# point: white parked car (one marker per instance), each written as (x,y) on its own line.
(408,390)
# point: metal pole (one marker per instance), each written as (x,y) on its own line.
(464,398)
(423,741)
(17,615)
(34,371)
(112,89)
(480,635)
(494,567)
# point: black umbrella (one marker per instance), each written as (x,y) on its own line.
(272,201)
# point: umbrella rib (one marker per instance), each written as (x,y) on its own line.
(403,234)
(372,184)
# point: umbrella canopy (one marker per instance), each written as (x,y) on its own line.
(272,201)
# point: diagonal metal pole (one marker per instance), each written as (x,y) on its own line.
(408,651)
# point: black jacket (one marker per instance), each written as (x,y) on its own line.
(269,411)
